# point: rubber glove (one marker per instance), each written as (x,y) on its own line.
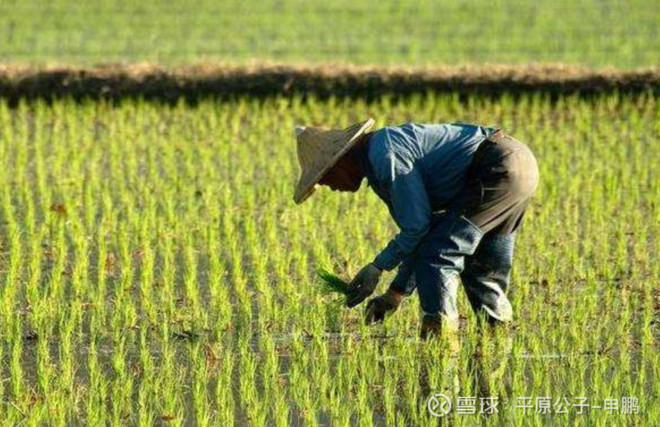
(363,284)
(382,305)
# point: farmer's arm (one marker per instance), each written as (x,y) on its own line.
(409,207)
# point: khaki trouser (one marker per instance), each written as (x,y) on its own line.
(501,180)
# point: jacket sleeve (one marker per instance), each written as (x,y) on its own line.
(410,208)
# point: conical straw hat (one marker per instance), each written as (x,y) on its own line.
(319,149)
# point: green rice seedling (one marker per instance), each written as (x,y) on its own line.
(331,284)
(201,378)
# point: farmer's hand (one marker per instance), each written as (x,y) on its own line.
(382,305)
(363,284)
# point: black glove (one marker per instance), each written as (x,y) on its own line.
(379,307)
(363,284)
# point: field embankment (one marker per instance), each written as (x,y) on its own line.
(220,81)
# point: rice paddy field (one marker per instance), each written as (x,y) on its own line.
(154,270)
(618,33)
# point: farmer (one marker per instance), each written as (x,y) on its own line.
(457,192)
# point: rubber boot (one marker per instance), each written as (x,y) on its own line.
(438,327)
(431,327)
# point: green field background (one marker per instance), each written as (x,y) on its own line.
(154,269)
(618,33)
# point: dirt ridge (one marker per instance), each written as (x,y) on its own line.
(195,82)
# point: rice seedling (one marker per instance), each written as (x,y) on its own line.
(331,283)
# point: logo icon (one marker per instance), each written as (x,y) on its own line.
(439,405)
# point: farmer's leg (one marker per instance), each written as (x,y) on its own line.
(486,277)
(438,265)
(507,179)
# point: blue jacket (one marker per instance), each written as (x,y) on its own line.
(417,169)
